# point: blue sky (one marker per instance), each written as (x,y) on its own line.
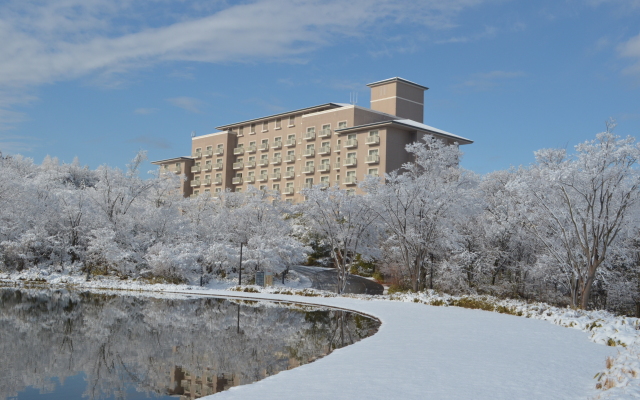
(101,79)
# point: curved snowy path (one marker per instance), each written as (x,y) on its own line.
(438,353)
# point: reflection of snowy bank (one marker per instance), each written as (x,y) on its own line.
(165,346)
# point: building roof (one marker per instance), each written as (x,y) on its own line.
(175,159)
(298,111)
(397,79)
(412,125)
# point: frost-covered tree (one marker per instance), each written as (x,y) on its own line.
(578,205)
(416,205)
(347,224)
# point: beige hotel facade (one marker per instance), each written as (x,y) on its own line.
(329,144)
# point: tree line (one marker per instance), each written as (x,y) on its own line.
(562,230)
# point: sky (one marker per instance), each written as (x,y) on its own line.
(102,79)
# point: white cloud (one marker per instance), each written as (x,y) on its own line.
(488,80)
(187,103)
(13,144)
(145,111)
(631,49)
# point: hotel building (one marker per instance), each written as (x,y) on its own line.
(329,144)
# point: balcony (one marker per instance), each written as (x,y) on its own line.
(373,140)
(217,181)
(264,146)
(309,152)
(250,179)
(217,166)
(290,142)
(277,144)
(324,184)
(275,176)
(193,196)
(206,182)
(252,148)
(177,171)
(238,151)
(237,180)
(350,180)
(336,165)
(263,162)
(208,153)
(251,163)
(350,162)
(351,143)
(218,151)
(276,160)
(288,190)
(309,135)
(263,177)
(207,168)
(238,165)
(289,174)
(324,150)
(195,183)
(324,167)
(372,159)
(197,154)
(195,169)
(310,169)
(324,133)
(290,158)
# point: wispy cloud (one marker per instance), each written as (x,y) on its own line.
(489,80)
(631,49)
(152,142)
(145,111)
(13,144)
(488,32)
(187,103)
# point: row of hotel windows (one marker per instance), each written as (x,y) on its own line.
(289,188)
(278,125)
(351,142)
(276,175)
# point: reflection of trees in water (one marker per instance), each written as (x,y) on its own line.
(188,347)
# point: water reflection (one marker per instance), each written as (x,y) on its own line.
(127,347)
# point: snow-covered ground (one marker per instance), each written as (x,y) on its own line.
(441,352)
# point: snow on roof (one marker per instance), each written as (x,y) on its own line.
(424,127)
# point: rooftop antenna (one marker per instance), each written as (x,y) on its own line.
(353,98)
(193,134)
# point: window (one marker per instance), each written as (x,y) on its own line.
(310,146)
(278,139)
(265,126)
(252,158)
(351,136)
(252,173)
(238,189)
(351,155)
(324,144)
(290,169)
(239,159)
(252,143)
(277,155)
(291,137)
(342,124)
(263,187)
(292,120)
(218,190)
(338,178)
(291,152)
(278,123)
(373,152)
(263,172)
(207,177)
(209,148)
(372,171)
(309,164)
(326,126)
(311,129)
(308,182)
(218,176)
(276,170)
(351,174)
(276,187)
(240,131)
(238,174)
(324,161)
(196,192)
(207,190)
(324,179)
(218,160)
(373,133)
(220,145)
(252,129)
(338,145)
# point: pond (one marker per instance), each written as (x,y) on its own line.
(59,344)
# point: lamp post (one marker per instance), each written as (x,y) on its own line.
(240,267)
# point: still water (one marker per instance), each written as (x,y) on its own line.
(59,344)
